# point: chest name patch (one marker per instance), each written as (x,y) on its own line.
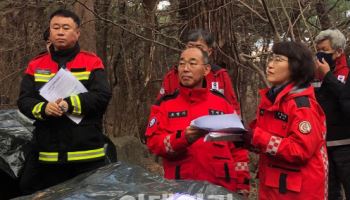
(215,112)
(177,114)
(281,116)
(43,71)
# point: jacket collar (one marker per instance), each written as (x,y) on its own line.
(61,57)
(194,94)
(340,64)
(288,92)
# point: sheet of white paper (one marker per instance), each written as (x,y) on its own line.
(218,136)
(229,123)
(63,85)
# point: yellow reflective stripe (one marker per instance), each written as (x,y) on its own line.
(84,155)
(43,77)
(73,156)
(76,104)
(81,75)
(37,109)
(48,156)
(41,80)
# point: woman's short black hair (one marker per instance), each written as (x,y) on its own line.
(66,13)
(300,60)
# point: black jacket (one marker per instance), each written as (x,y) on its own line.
(334,97)
(60,134)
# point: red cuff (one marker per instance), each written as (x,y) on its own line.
(260,139)
(178,141)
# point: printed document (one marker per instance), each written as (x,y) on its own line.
(220,127)
(62,85)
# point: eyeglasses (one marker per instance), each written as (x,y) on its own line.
(192,64)
(276,58)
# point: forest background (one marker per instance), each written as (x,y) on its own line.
(140,40)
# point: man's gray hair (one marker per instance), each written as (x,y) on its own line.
(336,38)
(205,55)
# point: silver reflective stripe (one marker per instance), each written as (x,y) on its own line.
(296,90)
(338,142)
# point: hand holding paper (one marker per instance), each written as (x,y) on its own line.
(226,127)
(63,85)
(192,133)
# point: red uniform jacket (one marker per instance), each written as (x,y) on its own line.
(217,162)
(290,134)
(341,70)
(218,79)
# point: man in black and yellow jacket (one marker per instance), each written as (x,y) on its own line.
(62,149)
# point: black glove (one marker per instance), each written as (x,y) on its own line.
(247,138)
(244,140)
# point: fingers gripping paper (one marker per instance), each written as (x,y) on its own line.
(63,85)
(220,127)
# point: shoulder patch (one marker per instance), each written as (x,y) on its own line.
(152,122)
(167,97)
(302,101)
(305,127)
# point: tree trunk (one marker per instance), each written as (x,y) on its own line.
(87,39)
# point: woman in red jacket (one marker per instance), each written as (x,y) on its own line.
(289,132)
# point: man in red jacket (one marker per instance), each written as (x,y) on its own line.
(185,154)
(218,78)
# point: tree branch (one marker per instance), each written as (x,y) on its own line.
(271,21)
(254,11)
(290,25)
(127,30)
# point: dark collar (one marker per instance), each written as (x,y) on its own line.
(274,91)
(61,57)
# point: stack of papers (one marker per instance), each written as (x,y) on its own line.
(226,127)
(62,85)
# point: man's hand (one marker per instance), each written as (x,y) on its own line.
(52,109)
(248,140)
(62,104)
(193,134)
(323,67)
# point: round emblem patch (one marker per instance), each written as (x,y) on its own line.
(162,91)
(152,122)
(305,127)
